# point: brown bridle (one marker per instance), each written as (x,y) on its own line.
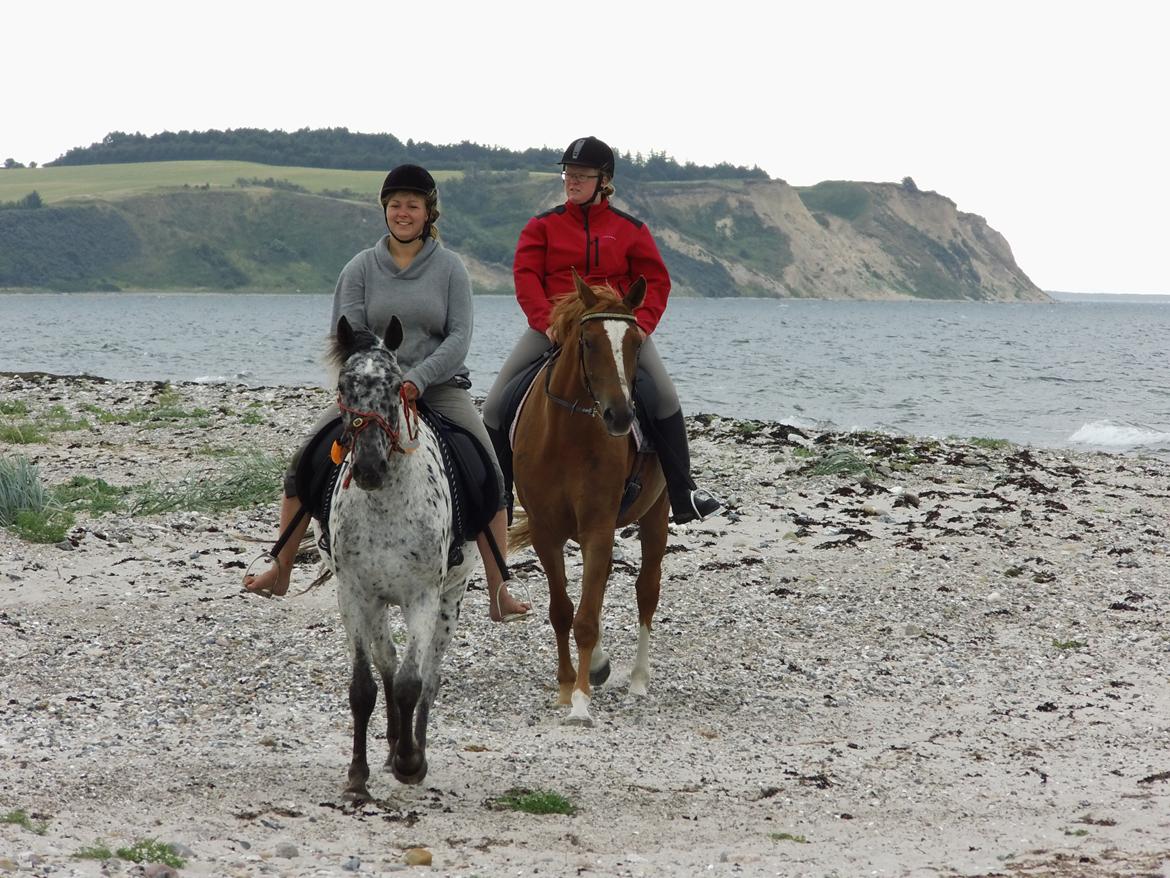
(594,410)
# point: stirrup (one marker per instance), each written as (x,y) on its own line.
(702,505)
(513,617)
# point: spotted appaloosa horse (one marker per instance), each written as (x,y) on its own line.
(391,529)
(573,453)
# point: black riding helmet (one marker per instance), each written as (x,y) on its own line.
(412,178)
(407,178)
(590,153)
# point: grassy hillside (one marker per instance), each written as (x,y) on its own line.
(244,226)
(113,182)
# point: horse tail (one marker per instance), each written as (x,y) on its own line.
(519,533)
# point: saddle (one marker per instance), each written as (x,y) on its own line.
(475,491)
(645,402)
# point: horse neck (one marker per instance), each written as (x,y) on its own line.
(568,375)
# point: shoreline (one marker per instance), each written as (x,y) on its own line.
(890,655)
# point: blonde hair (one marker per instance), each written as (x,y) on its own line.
(607,190)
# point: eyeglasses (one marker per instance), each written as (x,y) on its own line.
(578,178)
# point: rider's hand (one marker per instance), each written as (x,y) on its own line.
(410,391)
(551,334)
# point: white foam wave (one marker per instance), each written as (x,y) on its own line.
(1111,434)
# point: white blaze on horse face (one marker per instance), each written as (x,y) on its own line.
(615,331)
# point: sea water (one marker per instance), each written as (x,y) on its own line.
(1087,372)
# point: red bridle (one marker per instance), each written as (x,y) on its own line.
(360,420)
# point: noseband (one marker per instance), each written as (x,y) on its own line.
(359,420)
(594,410)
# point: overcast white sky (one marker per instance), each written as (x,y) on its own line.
(1048,119)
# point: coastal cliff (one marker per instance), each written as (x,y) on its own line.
(720,238)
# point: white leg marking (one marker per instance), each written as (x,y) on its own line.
(640,675)
(579,715)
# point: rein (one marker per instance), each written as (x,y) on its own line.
(359,420)
(594,410)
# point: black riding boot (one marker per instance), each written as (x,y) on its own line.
(687,501)
(503,449)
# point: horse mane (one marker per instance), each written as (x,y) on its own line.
(336,354)
(568,309)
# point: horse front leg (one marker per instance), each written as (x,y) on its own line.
(652,535)
(560,609)
(363,695)
(597,551)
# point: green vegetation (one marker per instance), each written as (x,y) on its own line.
(150,851)
(838,463)
(837,197)
(20,818)
(788,836)
(191,212)
(94,496)
(728,227)
(989,444)
(26,507)
(535,802)
(120,181)
(251,480)
(94,852)
(34,431)
(341,148)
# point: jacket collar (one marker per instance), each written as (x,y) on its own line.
(580,212)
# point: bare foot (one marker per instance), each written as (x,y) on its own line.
(502,607)
(269,582)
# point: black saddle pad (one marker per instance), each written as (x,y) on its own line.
(475,490)
(316,471)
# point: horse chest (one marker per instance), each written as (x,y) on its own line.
(402,530)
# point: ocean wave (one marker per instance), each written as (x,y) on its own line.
(1112,434)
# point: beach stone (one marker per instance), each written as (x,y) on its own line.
(352,864)
(286,850)
(417,857)
(159,870)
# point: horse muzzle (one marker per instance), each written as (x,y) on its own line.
(617,419)
(370,474)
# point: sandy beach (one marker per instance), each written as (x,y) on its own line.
(888,656)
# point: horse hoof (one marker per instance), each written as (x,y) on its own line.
(357,796)
(639,689)
(410,777)
(599,675)
(584,722)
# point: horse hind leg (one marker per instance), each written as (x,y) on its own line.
(653,531)
(363,695)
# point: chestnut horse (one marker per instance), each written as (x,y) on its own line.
(573,454)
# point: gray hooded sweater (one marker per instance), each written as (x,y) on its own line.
(432,298)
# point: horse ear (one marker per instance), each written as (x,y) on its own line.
(393,333)
(583,290)
(344,334)
(635,294)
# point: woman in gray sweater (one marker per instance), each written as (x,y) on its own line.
(408,273)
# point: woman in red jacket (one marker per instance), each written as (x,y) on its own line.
(605,246)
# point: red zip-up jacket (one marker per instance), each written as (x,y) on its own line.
(605,245)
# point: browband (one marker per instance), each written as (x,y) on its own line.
(608,315)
